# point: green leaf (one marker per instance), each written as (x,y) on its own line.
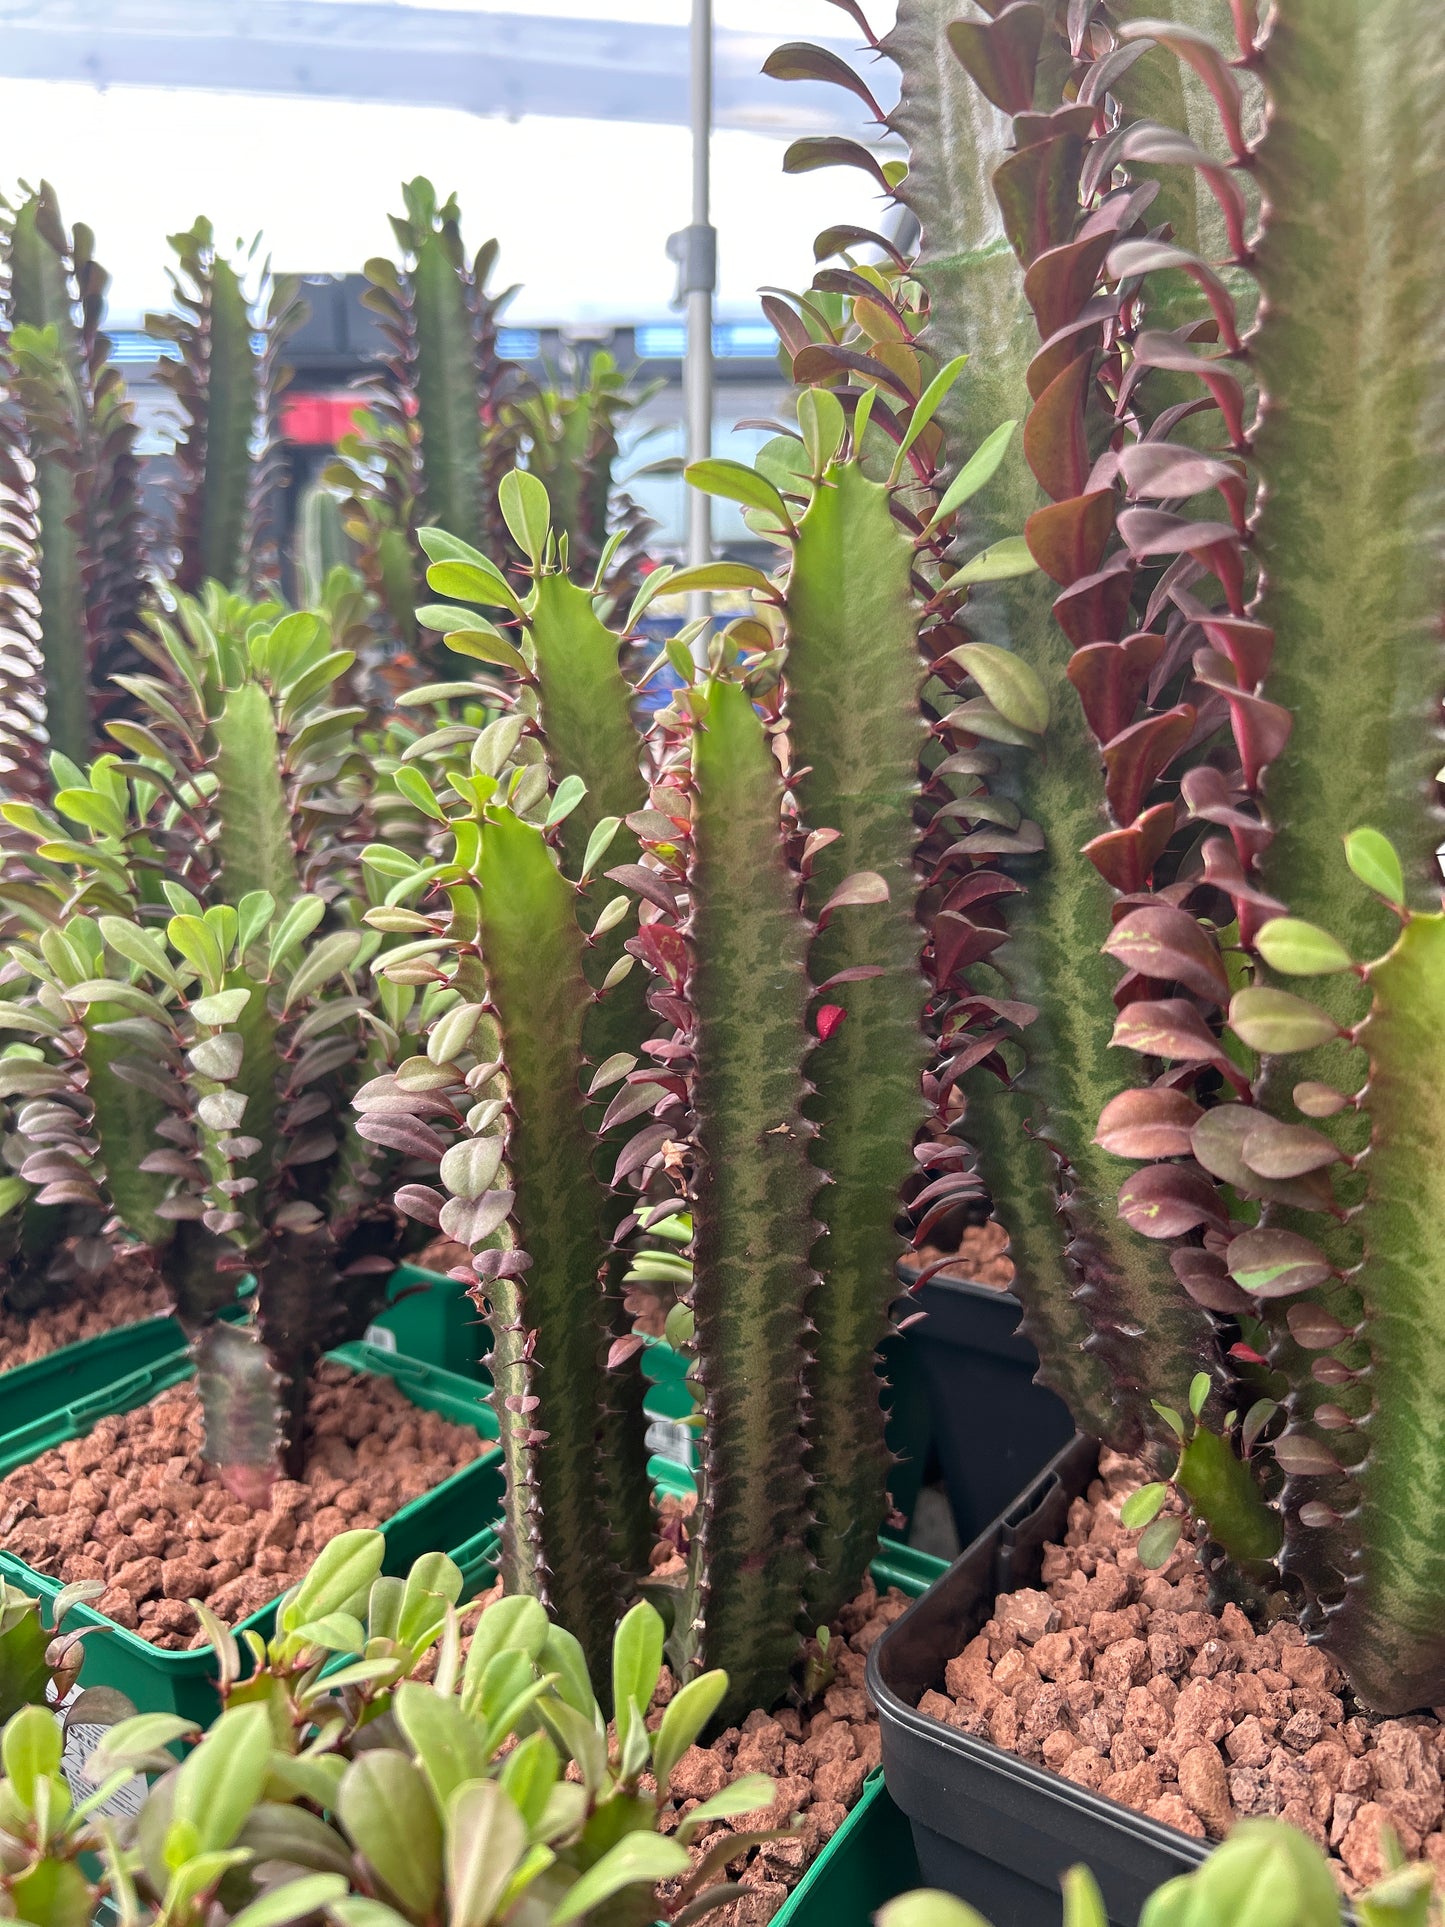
(998,563)
(1157,1541)
(468,1169)
(929,1907)
(254,913)
(1276,1021)
(339,1578)
(293,1900)
(196,942)
(569,794)
(221,1009)
(328,959)
(416,789)
(1374,861)
(1016,691)
(1299,949)
(295,926)
(139,946)
(927,407)
(221,1780)
(469,582)
(637,1657)
(452,1032)
(1142,1506)
(1083,1903)
(744,1795)
(982,464)
(449,1748)
(1199,1389)
(481,647)
(638,1859)
(735,482)
(599,842)
(686,1715)
(527,512)
(389,1815)
(486,1839)
(719,575)
(822,421)
(31,1747)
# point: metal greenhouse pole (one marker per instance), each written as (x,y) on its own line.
(695,250)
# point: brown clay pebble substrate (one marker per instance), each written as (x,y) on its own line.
(819,1757)
(121,1295)
(134,1505)
(1119,1679)
(982,1257)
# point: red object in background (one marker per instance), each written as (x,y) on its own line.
(318,421)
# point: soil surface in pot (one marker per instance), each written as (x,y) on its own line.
(1120,1679)
(96,1302)
(982,1257)
(819,1755)
(134,1505)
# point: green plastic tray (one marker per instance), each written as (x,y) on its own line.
(30,1393)
(429,1316)
(157,1681)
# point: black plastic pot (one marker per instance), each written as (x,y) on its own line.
(987,1827)
(994,1430)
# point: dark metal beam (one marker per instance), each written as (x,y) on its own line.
(485,63)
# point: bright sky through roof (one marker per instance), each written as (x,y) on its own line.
(582,208)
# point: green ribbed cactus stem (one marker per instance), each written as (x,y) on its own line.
(753,1207)
(854,675)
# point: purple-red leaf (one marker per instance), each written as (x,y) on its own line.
(1067,539)
(864,886)
(1166,1200)
(1153,1123)
(1000,55)
(1277,1264)
(799,61)
(1275,1150)
(1056,446)
(1062,279)
(1167,944)
(420,1201)
(832,150)
(645,883)
(1138,756)
(1111,677)
(1037,190)
(1168,1027)
(1303,1457)
(1206,1279)
(406,1134)
(1126,857)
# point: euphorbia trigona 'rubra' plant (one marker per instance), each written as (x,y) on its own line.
(1242,520)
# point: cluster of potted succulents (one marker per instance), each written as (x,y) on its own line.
(1094,697)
